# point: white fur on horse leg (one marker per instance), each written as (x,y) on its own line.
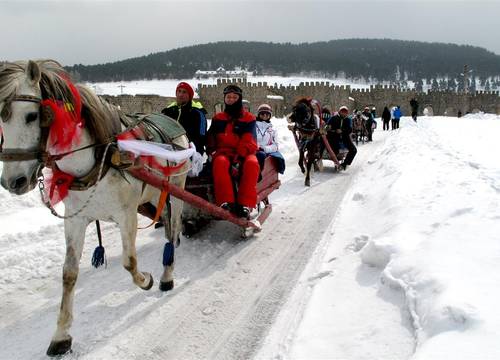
(172,232)
(175,220)
(128,231)
(75,237)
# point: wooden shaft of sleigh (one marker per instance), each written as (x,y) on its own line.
(199,202)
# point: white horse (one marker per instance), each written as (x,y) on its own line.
(24,88)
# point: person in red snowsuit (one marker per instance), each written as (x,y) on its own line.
(232,145)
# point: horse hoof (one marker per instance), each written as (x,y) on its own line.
(307,182)
(59,347)
(166,286)
(189,228)
(150,283)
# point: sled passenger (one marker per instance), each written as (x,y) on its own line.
(267,138)
(325,114)
(232,145)
(339,132)
(246,105)
(190,114)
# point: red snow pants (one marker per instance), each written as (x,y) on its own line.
(247,187)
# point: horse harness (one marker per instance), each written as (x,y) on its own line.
(147,130)
(45,122)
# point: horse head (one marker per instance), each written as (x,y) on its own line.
(20,97)
(303,113)
(42,121)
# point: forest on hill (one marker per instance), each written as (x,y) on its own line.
(375,60)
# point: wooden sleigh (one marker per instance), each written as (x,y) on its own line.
(198,191)
(199,195)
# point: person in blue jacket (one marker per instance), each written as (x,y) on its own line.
(397,115)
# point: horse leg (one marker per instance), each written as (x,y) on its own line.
(74,231)
(128,231)
(173,227)
(301,161)
(309,163)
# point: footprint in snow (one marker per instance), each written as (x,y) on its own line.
(359,242)
(320,275)
(460,212)
(358,197)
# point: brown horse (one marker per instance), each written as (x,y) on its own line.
(305,129)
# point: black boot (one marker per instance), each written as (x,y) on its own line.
(242,211)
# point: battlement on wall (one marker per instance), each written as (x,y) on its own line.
(481,92)
(139,103)
(282,97)
(328,86)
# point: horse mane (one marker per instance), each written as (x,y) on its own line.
(102,120)
(307,100)
(9,72)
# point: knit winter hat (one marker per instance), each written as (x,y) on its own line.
(265,108)
(187,87)
(233,89)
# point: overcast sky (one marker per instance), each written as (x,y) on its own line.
(91,31)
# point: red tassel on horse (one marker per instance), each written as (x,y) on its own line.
(67,127)
(58,183)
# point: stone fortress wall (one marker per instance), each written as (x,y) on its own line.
(281,98)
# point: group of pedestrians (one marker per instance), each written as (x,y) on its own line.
(392,116)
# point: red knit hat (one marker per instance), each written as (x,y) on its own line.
(187,87)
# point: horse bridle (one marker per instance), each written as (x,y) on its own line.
(46,119)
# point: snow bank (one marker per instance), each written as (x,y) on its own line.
(428,203)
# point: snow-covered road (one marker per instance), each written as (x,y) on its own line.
(228,290)
(397,258)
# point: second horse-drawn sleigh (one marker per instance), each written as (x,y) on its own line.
(310,134)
